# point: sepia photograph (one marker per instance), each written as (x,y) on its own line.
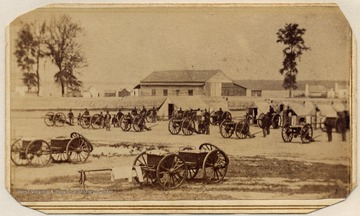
(181,108)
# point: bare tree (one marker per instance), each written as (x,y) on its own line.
(29,50)
(291,36)
(65,52)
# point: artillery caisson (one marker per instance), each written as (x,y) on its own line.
(38,152)
(171,170)
(241,129)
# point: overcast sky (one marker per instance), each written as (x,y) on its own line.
(124,45)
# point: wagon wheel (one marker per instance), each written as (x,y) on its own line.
(136,123)
(18,156)
(171,171)
(149,176)
(322,124)
(85,121)
(48,119)
(96,121)
(241,130)
(59,119)
(213,118)
(215,166)
(78,150)
(188,126)
(38,153)
(286,133)
(76,134)
(59,156)
(174,126)
(306,133)
(275,121)
(125,123)
(207,147)
(226,130)
(260,121)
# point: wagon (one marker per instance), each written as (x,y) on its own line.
(38,152)
(52,119)
(241,129)
(171,170)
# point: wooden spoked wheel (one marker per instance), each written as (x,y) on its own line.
(286,133)
(125,123)
(241,130)
(215,166)
(78,150)
(85,121)
(226,129)
(148,173)
(171,171)
(38,153)
(306,133)
(18,154)
(59,119)
(188,127)
(174,126)
(49,119)
(207,147)
(276,121)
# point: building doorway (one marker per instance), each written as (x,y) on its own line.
(171,109)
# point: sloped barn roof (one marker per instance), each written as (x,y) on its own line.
(180,76)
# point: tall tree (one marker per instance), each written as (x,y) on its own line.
(291,36)
(29,50)
(66,52)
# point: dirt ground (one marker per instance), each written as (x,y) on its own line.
(259,168)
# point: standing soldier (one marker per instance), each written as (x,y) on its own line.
(153,114)
(71,117)
(329,126)
(107,120)
(134,111)
(207,122)
(266,124)
(143,111)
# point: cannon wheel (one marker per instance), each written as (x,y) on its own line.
(322,124)
(124,124)
(306,133)
(260,122)
(149,117)
(215,166)
(174,127)
(171,171)
(188,126)
(225,129)
(96,121)
(136,123)
(48,118)
(59,119)
(38,153)
(275,121)
(240,130)
(18,156)
(85,121)
(192,172)
(207,147)
(78,150)
(149,176)
(286,133)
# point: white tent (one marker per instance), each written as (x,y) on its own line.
(326,110)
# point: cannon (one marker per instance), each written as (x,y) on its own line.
(85,121)
(185,122)
(171,170)
(305,132)
(276,120)
(52,119)
(241,129)
(38,152)
(217,117)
